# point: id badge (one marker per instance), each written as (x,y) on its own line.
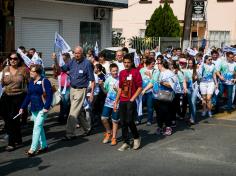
(129,78)
(81,71)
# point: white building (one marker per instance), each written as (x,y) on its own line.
(219,23)
(78,21)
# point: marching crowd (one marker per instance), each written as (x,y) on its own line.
(95,91)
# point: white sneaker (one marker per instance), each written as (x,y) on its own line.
(209,114)
(203,113)
(124,147)
(137,143)
(6,137)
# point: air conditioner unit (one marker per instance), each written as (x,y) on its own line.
(101,13)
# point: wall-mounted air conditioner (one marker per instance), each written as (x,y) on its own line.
(101,13)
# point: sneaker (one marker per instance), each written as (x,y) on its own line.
(137,122)
(209,114)
(191,121)
(149,123)
(6,137)
(106,138)
(173,124)
(159,131)
(203,113)
(137,143)
(168,131)
(10,148)
(124,147)
(113,141)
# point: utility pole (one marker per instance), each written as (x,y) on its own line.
(187,24)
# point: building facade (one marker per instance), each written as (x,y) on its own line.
(219,23)
(34,23)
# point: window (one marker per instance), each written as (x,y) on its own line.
(225,0)
(145,1)
(90,33)
(217,38)
(169,1)
(141,32)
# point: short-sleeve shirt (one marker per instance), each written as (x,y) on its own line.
(129,82)
(217,63)
(145,78)
(120,65)
(206,72)
(155,83)
(80,72)
(165,76)
(106,65)
(189,78)
(15,84)
(110,85)
(180,76)
(227,70)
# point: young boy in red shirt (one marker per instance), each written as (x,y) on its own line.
(130,86)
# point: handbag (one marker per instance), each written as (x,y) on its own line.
(56,97)
(164,95)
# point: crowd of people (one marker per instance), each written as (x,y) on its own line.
(117,93)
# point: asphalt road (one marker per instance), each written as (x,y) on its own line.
(208,148)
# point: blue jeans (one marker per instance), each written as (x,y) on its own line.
(192,97)
(64,105)
(107,112)
(147,99)
(229,89)
(38,131)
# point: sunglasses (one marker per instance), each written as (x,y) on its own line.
(14,58)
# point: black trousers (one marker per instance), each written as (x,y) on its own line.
(181,109)
(127,113)
(11,106)
(164,112)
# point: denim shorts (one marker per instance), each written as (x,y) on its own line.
(107,112)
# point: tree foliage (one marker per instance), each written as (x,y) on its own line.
(163,23)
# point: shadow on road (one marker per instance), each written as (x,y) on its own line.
(12,166)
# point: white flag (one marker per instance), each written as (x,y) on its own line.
(36,59)
(61,44)
(191,52)
(26,59)
(60,60)
(96,50)
(1,90)
(136,59)
(139,103)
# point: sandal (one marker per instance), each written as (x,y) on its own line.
(30,153)
(44,150)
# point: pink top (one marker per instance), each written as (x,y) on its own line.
(64,77)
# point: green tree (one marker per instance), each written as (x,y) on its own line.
(163,23)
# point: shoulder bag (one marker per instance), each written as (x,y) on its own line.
(164,95)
